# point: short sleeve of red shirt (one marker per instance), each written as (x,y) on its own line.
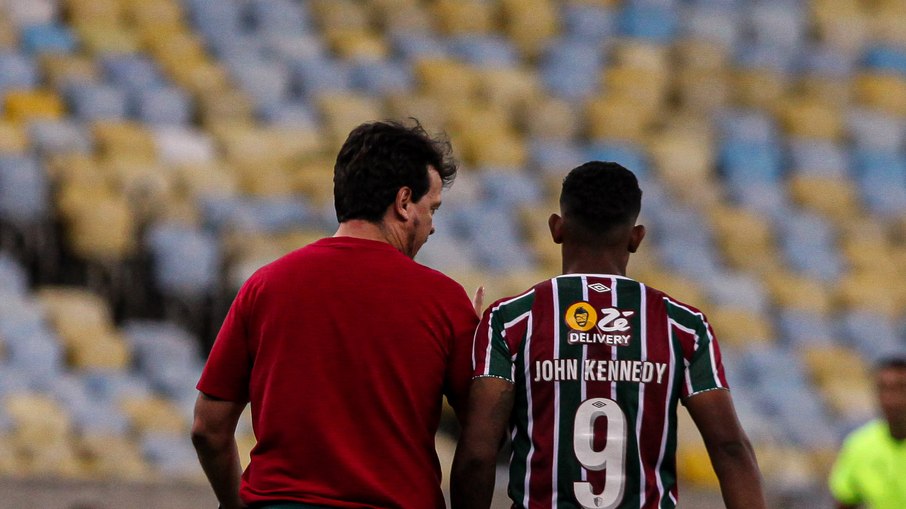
(227,370)
(463,323)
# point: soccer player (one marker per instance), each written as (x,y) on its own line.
(586,369)
(344,348)
(871,469)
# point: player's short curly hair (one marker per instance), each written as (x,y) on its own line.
(599,196)
(379,158)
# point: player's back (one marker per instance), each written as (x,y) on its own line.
(351,347)
(599,363)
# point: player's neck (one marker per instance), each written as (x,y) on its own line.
(593,262)
(897,430)
(361,229)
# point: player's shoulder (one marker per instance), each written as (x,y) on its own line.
(869,435)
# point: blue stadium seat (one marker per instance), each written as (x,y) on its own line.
(657,23)
(717,25)
(381,78)
(625,154)
(571,69)
(415,46)
(131,72)
(885,58)
(312,76)
(801,328)
(211,18)
(24,190)
(808,243)
(266,82)
(509,188)
(881,176)
(162,106)
(484,51)
(170,246)
(555,156)
(495,238)
(13,278)
(171,454)
(779,24)
(90,101)
(47,38)
(876,130)
(826,62)
(289,48)
(279,17)
(737,289)
(60,137)
(165,354)
(587,22)
(745,162)
(17,71)
(818,158)
(871,333)
(294,112)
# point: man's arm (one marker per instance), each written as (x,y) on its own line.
(213,435)
(731,453)
(475,463)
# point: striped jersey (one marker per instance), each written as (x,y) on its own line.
(599,364)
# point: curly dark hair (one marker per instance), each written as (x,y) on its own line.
(379,158)
(599,196)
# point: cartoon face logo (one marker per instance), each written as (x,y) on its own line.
(581,316)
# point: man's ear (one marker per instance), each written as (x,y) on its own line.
(635,237)
(555,223)
(402,202)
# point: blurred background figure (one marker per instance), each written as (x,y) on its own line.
(153,155)
(870,469)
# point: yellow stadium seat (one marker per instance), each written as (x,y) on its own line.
(702,88)
(123,138)
(109,12)
(60,69)
(841,24)
(740,327)
(647,88)
(692,460)
(832,197)
(885,92)
(549,118)
(675,285)
(342,112)
(786,463)
(9,34)
(509,89)
(757,88)
(214,178)
(615,118)
(809,118)
(530,24)
(112,457)
(682,156)
(464,17)
(354,44)
(825,90)
(400,16)
(76,314)
(13,139)
(99,37)
(798,292)
(199,77)
(827,364)
(429,110)
(314,179)
(154,414)
(158,13)
(107,352)
(746,239)
(228,106)
(888,22)
(340,15)
(104,230)
(850,398)
(148,185)
(24,105)
(873,291)
(447,80)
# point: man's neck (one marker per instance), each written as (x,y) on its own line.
(362,229)
(582,261)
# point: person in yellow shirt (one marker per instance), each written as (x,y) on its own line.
(870,471)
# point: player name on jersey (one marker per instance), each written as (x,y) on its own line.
(599,371)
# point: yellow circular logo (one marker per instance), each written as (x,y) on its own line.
(581,316)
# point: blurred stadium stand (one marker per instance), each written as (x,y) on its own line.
(154,154)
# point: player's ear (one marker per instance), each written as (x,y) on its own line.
(635,237)
(555,223)
(401,203)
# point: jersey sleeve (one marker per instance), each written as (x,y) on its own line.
(842,478)
(228,368)
(703,366)
(498,338)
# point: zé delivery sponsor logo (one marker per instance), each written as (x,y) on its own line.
(613,324)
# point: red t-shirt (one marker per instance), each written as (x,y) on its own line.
(344,348)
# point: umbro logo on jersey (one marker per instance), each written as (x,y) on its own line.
(599,287)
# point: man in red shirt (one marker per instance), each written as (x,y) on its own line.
(345,347)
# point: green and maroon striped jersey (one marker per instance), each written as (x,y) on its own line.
(599,364)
